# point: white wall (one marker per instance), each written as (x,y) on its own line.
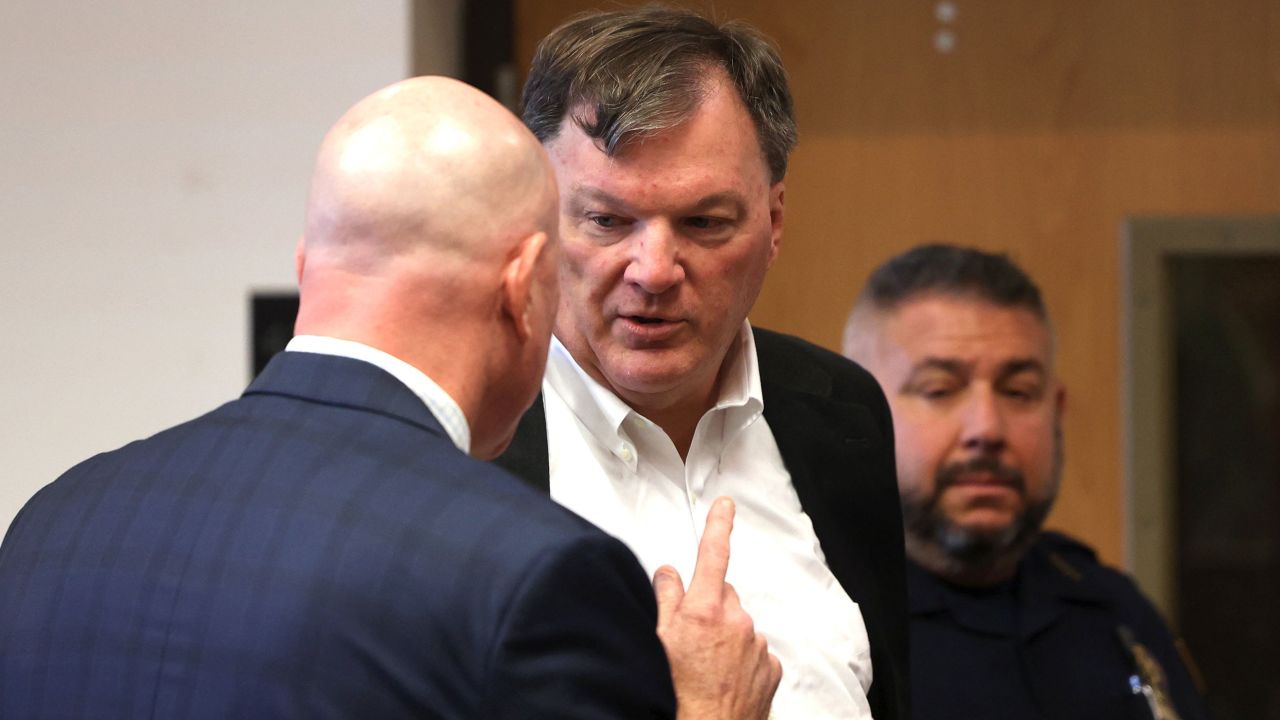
(154,157)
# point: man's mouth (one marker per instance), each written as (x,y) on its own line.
(645,319)
(648,329)
(980,473)
(984,479)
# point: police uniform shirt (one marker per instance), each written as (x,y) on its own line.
(1065,638)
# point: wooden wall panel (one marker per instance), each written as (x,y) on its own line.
(1048,124)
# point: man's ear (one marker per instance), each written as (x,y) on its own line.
(777,194)
(1059,401)
(300,257)
(517,282)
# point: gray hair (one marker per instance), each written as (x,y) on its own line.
(627,73)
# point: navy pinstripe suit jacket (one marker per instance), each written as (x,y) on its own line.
(317,548)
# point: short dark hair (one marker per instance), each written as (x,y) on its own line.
(637,71)
(952,270)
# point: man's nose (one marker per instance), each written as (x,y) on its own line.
(984,423)
(655,264)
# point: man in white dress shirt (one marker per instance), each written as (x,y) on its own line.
(669,136)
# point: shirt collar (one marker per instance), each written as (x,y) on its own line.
(596,407)
(603,413)
(444,407)
(740,383)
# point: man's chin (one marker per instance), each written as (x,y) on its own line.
(976,541)
(978,549)
(985,526)
(979,503)
(647,373)
(973,535)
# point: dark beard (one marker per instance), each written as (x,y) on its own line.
(966,550)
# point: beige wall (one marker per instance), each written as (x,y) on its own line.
(1046,126)
(154,159)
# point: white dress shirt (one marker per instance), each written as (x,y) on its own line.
(622,472)
(436,399)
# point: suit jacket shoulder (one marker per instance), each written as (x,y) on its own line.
(807,367)
(317,547)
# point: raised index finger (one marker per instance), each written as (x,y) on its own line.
(713,550)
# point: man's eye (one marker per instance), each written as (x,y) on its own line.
(702,222)
(936,392)
(1022,394)
(604,221)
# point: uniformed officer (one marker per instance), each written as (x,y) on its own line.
(1007,621)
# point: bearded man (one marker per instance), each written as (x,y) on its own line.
(1007,620)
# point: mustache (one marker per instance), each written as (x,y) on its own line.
(950,474)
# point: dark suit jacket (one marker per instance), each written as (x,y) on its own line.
(833,428)
(317,548)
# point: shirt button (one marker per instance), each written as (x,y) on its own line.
(627,454)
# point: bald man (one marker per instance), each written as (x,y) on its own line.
(329,545)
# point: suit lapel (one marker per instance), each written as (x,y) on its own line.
(822,442)
(834,453)
(343,382)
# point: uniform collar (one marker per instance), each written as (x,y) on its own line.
(984,610)
(1046,584)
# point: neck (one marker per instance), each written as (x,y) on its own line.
(679,420)
(965,573)
(452,356)
(676,411)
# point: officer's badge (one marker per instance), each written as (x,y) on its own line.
(1148,679)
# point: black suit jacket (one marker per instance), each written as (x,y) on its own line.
(833,428)
(317,549)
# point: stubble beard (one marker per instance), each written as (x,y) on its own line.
(966,552)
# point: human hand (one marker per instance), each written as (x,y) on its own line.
(720,665)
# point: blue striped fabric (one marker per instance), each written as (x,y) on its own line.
(317,548)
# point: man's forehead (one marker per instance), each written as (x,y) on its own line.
(580,195)
(717,130)
(966,330)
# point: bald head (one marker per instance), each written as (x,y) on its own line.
(430,234)
(426,165)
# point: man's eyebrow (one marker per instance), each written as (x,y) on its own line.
(1022,365)
(715,200)
(580,194)
(947,365)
